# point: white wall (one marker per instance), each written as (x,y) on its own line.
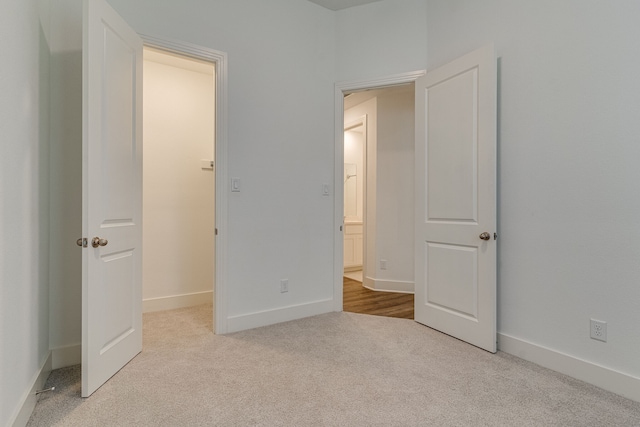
(178,195)
(568,168)
(567,163)
(66,182)
(280,132)
(567,148)
(381,39)
(24,204)
(280,224)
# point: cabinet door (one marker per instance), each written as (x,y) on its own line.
(349,250)
(358,249)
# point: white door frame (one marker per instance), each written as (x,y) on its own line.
(219,59)
(338,167)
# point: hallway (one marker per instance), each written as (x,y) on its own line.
(358,299)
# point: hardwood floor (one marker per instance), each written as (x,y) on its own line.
(358,299)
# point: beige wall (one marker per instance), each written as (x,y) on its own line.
(395,188)
(354,155)
(367,107)
(178,194)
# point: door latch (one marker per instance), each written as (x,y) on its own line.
(82,242)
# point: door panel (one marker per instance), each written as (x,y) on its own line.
(456,198)
(112,195)
(452,149)
(452,278)
(117,92)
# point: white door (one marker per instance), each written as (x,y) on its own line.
(112,195)
(455,202)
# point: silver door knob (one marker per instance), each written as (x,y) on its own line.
(485,236)
(96,241)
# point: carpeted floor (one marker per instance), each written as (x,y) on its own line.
(336,369)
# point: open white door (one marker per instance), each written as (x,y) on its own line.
(112,195)
(455,264)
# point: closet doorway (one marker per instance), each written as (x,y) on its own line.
(178,181)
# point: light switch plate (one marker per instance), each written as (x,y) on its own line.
(235,185)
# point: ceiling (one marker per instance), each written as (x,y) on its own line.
(341,4)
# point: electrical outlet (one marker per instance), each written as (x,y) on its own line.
(383,264)
(284,285)
(599,330)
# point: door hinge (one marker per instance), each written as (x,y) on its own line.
(340,228)
(216,231)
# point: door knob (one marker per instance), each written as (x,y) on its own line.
(485,236)
(96,241)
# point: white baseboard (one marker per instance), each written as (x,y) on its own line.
(389,285)
(270,317)
(29,399)
(606,378)
(176,301)
(68,355)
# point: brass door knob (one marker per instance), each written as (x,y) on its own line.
(485,236)
(96,241)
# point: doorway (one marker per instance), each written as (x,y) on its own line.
(378,201)
(355,144)
(178,180)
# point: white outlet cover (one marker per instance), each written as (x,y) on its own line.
(598,330)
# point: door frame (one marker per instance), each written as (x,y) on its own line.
(219,60)
(341,89)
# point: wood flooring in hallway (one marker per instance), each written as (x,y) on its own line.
(358,299)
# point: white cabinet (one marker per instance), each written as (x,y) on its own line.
(353,246)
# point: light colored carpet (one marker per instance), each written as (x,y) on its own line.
(337,369)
